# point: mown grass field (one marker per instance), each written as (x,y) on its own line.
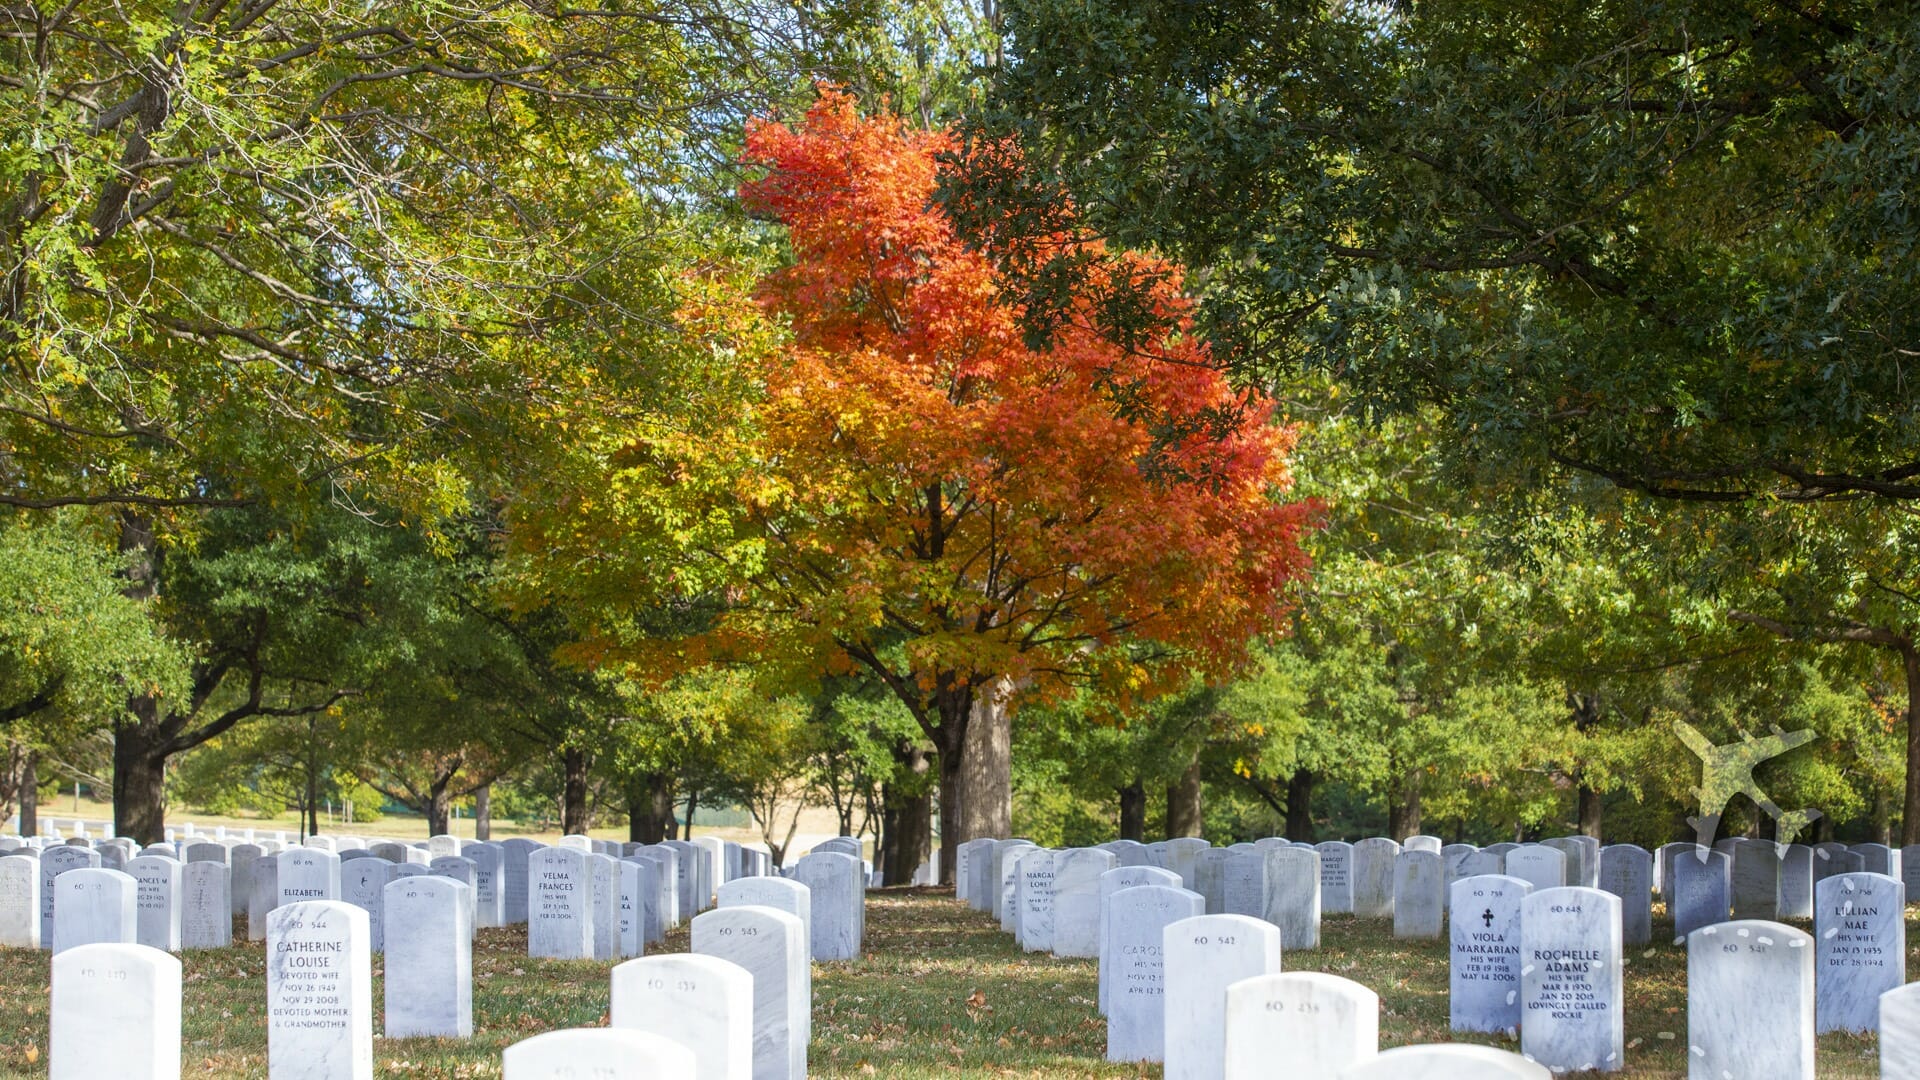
(941,992)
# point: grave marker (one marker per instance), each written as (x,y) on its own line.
(1076,900)
(206,906)
(1538,865)
(1320,1025)
(1484,959)
(1372,872)
(1290,895)
(1419,894)
(1570,979)
(1134,974)
(1750,1001)
(560,907)
(1626,871)
(1202,957)
(1755,878)
(19,902)
(157,913)
(1033,896)
(1860,948)
(768,945)
(598,1053)
(839,900)
(94,906)
(114,1012)
(429,960)
(1336,877)
(319,992)
(703,1003)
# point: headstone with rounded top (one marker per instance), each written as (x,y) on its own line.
(1336,877)
(1076,900)
(703,1003)
(429,959)
(560,907)
(1860,948)
(767,943)
(1318,1024)
(1447,1061)
(1626,871)
(1701,888)
(1419,894)
(319,992)
(1484,960)
(206,906)
(114,1012)
(1202,956)
(1750,1001)
(1571,994)
(1290,895)
(1134,971)
(94,906)
(157,900)
(600,1053)
(1373,860)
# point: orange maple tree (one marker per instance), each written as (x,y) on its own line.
(969,519)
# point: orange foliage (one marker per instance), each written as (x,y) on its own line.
(931,481)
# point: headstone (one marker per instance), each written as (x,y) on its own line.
(1076,900)
(1796,882)
(392,852)
(1245,888)
(1900,1031)
(1626,871)
(156,902)
(1318,1024)
(1570,979)
(1005,908)
(780,894)
(1860,948)
(576,842)
(1663,859)
(712,871)
(1134,975)
(513,877)
(966,865)
(1538,865)
(768,944)
(429,960)
(560,906)
(1453,859)
(1183,858)
(1484,960)
(363,883)
(1423,843)
(94,906)
(998,885)
(1210,878)
(19,902)
(1033,898)
(598,1053)
(1290,897)
(1750,1001)
(55,861)
(703,1003)
(115,1012)
(635,885)
(206,906)
(1755,880)
(1702,889)
(1880,859)
(308,874)
(1202,957)
(1112,882)
(319,992)
(441,846)
(1830,860)
(604,873)
(240,882)
(264,897)
(659,893)
(1336,877)
(205,852)
(489,896)
(1447,1061)
(1372,873)
(839,902)
(1419,894)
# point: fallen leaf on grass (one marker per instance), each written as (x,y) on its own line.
(977,1000)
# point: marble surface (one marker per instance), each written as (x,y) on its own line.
(633,882)
(1483,954)
(1290,895)
(1210,878)
(319,992)
(429,959)
(1372,874)
(1244,884)
(603,871)
(1183,858)
(55,861)
(1900,1032)
(1111,882)
(241,860)
(1133,974)
(767,943)
(1626,871)
(1538,865)
(1448,1061)
(999,882)
(1076,900)
(1754,889)
(965,858)
(1423,843)
(1336,877)
(703,1003)
(114,1012)
(1750,1001)
(560,905)
(839,901)
(1859,931)
(1319,1024)
(307,874)
(1033,901)
(264,897)
(1702,890)
(94,906)
(19,902)
(1007,859)
(363,883)
(1571,995)
(1201,957)
(156,900)
(781,894)
(599,1053)
(1419,894)
(206,906)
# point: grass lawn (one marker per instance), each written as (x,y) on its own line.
(940,992)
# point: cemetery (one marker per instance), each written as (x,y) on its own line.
(757,539)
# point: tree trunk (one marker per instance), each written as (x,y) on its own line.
(437,806)
(953,704)
(649,808)
(30,794)
(1910,809)
(1300,806)
(693,804)
(139,781)
(1586,716)
(908,834)
(1403,813)
(573,794)
(483,812)
(986,766)
(1133,812)
(1589,808)
(1183,804)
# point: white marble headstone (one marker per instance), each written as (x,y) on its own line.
(701,1002)
(1372,874)
(1755,879)
(1290,895)
(1538,865)
(1203,956)
(19,902)
(1336,877)
(560,907)
(768,944)
(429,958)
(1318,1025)
(319,992)
(206,906)
(1033,901)
(839,895)
(1134,971)
(94,906)
(1419,894)
(1626,871)
(781,894)
(1571,992)
(1750,1001)
(115,1013)
(1076,900)
(1111,882)
(1484,960)
(1701,886)
(1860,948)
(1900,1032)
(1447,1061)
